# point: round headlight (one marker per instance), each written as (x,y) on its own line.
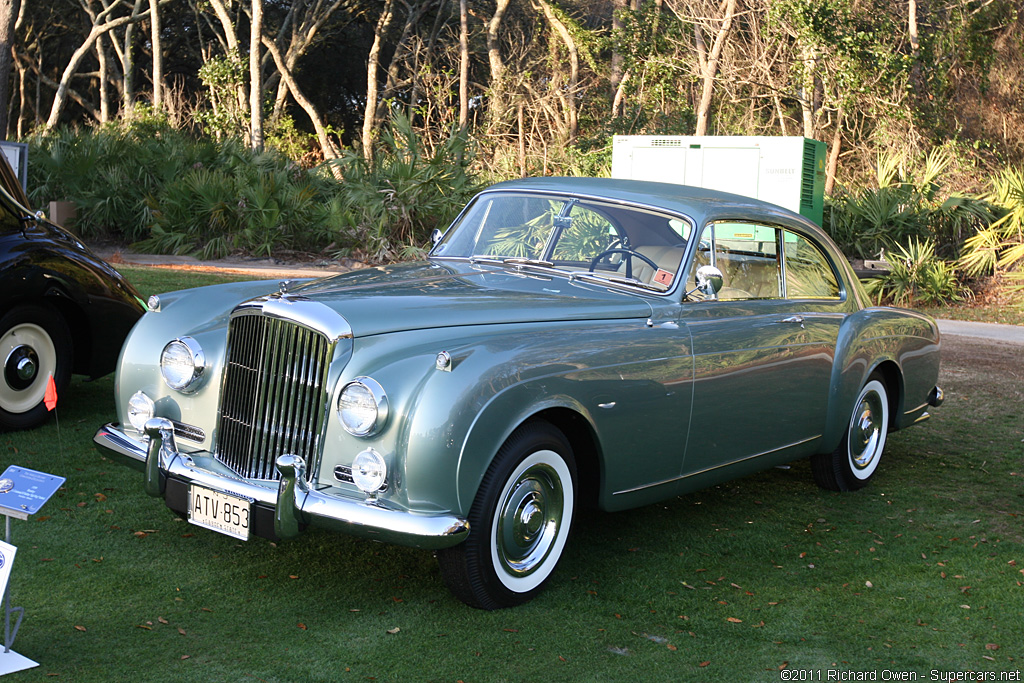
(182,363)
(369,471)
(140,409)
(363,407)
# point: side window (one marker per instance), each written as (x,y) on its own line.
(748,256)
(808,272)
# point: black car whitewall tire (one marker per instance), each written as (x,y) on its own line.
(519,523)
(34,344)
(855,461)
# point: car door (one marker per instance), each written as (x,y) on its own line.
(762,359)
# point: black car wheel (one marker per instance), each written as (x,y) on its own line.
(519,522)
(35,344)
(855,461)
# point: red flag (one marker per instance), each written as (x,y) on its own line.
(50,398)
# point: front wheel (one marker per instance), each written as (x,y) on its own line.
(519,522)
(855,461)
(34,345)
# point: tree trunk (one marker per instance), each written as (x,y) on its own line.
(709,65)
(61,96)
(128,63)
(101,58)
(464,64)
(496,95)
(616,76)
(330,151)
(8,14)
(833,154)
(158,59)
(255,77)
(234,47)
(571,117)
(372,65)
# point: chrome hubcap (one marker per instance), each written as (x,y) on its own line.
(867,431)
(21,367)
(529,519)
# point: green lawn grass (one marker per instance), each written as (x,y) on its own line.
(920,571)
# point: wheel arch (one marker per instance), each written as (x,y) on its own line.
(846,389)
(506,413)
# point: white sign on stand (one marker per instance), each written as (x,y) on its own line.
(22,493)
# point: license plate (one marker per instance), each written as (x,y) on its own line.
(219,512)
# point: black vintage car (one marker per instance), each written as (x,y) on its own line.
(62,309)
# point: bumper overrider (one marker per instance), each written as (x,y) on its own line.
(276,513)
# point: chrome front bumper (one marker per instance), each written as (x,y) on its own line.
(293,502)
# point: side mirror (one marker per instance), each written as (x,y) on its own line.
(709,281)
(435,237)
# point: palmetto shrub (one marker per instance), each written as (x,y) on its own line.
(110,172)
(917,276)
(167,192)
(902,209)
(404,191)
(999,247)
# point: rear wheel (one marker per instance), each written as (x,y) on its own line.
(855,461)
(519,522)
(34,345)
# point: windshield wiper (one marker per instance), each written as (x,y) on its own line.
(520,261)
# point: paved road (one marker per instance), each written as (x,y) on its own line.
(1004,333)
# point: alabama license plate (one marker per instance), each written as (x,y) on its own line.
(218,511)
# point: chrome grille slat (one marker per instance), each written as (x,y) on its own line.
(274,399)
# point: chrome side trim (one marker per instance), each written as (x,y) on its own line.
(293,501)
(716,467)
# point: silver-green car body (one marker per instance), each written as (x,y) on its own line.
(300,398)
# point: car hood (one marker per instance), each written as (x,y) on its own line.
(430,295)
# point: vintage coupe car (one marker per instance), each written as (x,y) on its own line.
(62,309)
(567,342)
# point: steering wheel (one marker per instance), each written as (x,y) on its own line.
(629,254)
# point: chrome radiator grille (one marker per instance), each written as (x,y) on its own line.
(274,400)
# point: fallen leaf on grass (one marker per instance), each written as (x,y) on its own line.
(182,631)
(702,664)
(394,630)
(79,628)
(734,620)
(148,628)
(991,646)
(162,620)
(302,626)
(186,656)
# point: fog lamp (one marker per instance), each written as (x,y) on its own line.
(140,409)
(369,471)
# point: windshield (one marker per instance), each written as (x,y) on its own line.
(585,237)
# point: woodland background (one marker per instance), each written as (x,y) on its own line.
(356,126)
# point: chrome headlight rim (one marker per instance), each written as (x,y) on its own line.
(375,396)
(193,352)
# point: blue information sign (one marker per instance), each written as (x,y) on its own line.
(23,491)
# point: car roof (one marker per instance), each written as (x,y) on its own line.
(700,204)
